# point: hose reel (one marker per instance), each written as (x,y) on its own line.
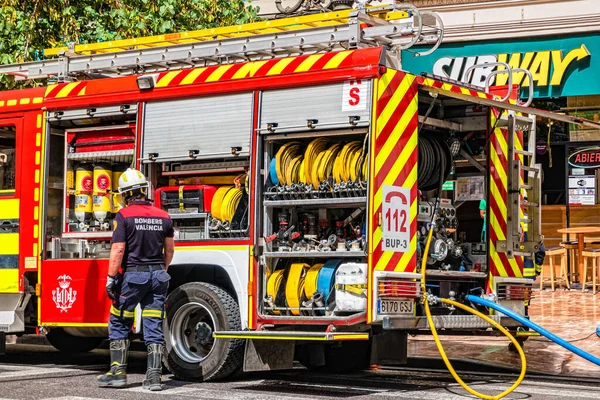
(434,154)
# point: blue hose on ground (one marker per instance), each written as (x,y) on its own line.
(519,318)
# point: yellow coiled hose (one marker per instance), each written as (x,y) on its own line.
(346,163)
(230,203)
(474,312)
(294,287)
(273,284)
(320,161)
(217,201)
(284,160)
(313,150)
(310,281)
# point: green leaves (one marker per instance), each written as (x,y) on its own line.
(27,27)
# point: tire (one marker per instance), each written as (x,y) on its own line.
(513,349)
(194,311)
(337,5)
(69,344)
(340,357)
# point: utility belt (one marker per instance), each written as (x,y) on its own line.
(145,268)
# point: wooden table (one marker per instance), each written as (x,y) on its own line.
(580,232)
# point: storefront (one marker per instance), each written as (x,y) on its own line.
(565,79)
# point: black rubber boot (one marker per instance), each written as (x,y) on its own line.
(153,373)
(117,376)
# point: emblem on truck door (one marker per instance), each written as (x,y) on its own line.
(64,296)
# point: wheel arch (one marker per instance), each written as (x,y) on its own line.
(209,273)
(226,267)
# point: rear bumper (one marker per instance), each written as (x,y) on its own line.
(444,322)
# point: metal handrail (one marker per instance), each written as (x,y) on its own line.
(530,76)
(440,37)
(507,70)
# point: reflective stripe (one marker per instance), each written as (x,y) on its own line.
(9,244)
(528,272)
(355,288)
(125,314)
(152,313)
(9,280)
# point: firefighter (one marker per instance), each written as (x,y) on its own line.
(533,268)
(141,232)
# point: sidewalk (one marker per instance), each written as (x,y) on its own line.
(572,315)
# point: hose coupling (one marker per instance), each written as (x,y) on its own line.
(432,299)
(269,301)
(490,297)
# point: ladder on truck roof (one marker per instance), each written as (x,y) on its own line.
(395,27)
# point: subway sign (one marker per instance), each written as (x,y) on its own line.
(586,158)
(560,66)
(547,67)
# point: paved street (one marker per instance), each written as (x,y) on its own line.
(39,372)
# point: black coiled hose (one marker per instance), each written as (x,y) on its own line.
(435,162)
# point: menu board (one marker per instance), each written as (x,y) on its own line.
(582,189)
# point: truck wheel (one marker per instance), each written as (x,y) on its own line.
(69,344)
(194,311)
(339,357)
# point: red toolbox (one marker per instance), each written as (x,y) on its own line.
(185,199)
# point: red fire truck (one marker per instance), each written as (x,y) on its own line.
(302,168)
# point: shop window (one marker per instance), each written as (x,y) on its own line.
(8,141)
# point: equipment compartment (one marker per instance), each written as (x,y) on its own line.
(200,175)
(314,204)
(99,145)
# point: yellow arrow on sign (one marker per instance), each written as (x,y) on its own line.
(561,64)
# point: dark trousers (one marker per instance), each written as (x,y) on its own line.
(149,289)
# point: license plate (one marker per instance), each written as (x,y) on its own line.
(395,307)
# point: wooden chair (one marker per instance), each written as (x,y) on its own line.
(562,278)
(594,254)
(593,242)
(572,248)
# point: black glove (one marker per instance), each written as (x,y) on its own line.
(540,255)
(111,287)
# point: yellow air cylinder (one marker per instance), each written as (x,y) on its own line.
(83,207)
(116,202)
(102,179)
(83,179)
(102,207)
(117,171)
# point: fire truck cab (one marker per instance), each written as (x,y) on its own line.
(302,188)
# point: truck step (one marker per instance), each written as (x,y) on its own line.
(292,335)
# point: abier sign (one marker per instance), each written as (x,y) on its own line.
(586,158)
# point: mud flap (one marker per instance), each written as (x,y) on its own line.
(12,312)
(268,355)
(389,348)
(2,343)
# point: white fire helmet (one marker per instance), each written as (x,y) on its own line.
(131,183)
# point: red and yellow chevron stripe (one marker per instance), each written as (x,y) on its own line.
(428,82)
(255,69)
(394,161)
(62,90)
(500,263)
